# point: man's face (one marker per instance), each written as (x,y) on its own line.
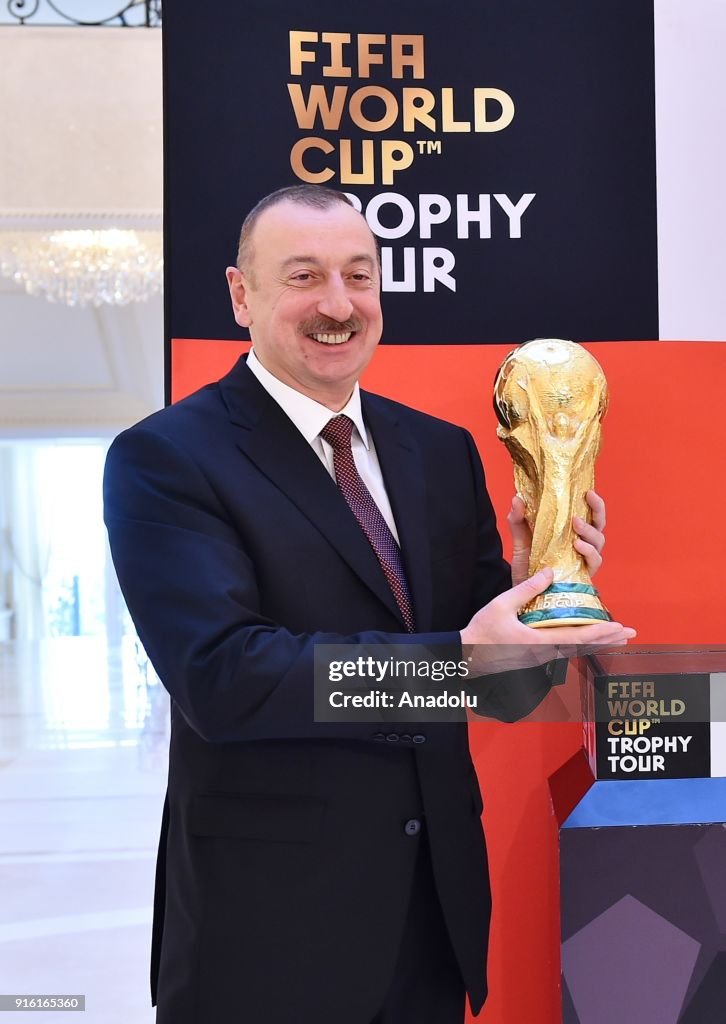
(311,298)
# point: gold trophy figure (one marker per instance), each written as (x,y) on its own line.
(550,397)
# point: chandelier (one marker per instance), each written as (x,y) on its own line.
(81,267)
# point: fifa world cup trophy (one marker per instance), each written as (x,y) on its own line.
(550,397)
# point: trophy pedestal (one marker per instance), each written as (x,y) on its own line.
(565,604)
(642,813)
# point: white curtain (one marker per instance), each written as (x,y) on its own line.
(27,539)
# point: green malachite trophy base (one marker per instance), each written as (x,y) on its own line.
(565,604)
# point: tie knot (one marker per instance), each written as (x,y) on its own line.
(337,432)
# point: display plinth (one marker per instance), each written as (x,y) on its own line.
(643,851)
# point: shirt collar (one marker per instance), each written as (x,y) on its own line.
(308,415)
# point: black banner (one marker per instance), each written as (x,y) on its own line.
(503,151)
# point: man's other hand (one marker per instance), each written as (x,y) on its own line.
(589,542)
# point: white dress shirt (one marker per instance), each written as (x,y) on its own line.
(310,417)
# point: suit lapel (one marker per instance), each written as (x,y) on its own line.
(401,463)
(277,448)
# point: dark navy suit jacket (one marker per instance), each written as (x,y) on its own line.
(284,868)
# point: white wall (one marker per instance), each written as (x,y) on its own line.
(690,42)
(80,145)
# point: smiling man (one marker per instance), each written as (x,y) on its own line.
(310,872)
(307,288)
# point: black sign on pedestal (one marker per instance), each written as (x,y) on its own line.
(653,726)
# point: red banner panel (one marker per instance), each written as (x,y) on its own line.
(659,471)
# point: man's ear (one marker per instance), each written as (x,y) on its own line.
(238,288)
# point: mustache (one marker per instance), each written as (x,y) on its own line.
(324,325)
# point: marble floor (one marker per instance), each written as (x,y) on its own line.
(83,738)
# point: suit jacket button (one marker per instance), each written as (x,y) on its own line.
(412,827)
(393,737)
(379,736)
(405,737)
(418,738)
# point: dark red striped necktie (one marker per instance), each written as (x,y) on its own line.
(337,432)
